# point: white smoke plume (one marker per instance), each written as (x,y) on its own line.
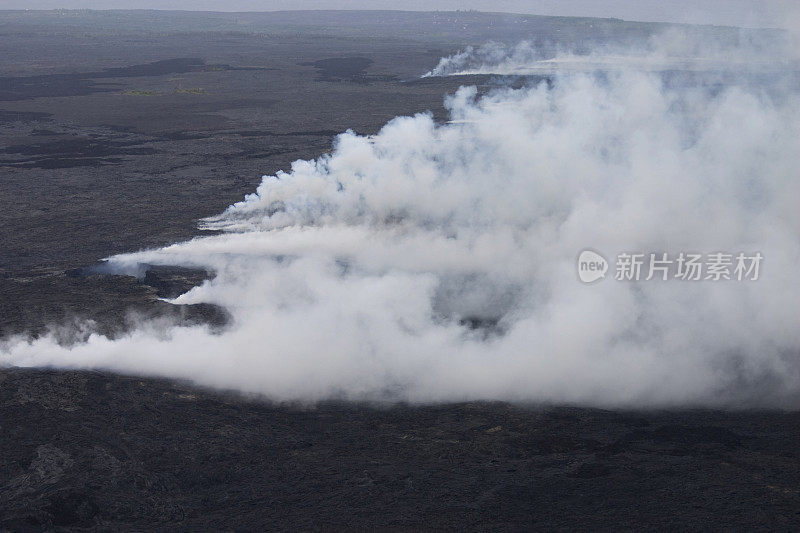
(678,49)
(436,262)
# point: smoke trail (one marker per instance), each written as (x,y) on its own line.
(437,262)
(684,49)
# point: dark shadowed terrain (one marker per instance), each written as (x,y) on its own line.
(89,449)
(118,131)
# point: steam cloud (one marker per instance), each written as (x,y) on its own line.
(436,262)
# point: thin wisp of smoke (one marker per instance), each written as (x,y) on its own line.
(436,262)
(729,50)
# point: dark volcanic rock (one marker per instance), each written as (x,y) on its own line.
(80,83)
(353,69)
(70,306)
(91,450)
(170,281)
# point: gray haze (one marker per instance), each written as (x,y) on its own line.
(747,13)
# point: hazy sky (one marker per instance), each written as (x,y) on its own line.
(783,13)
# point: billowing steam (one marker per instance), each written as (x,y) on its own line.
(436,262)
